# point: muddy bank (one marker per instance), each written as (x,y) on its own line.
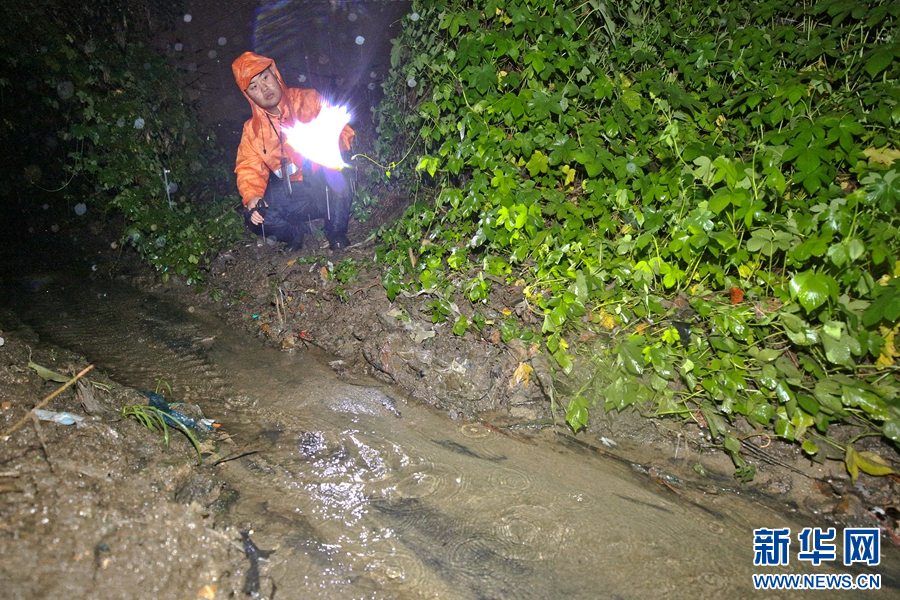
(335,301)
(102,509)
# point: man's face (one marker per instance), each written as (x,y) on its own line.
(264,90)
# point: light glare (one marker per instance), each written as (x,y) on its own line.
(319,140)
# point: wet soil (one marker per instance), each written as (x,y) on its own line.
(105,510)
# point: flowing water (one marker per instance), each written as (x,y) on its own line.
(366,494)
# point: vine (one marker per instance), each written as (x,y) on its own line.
(714,184)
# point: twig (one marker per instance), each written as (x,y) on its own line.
(235,456)
(9,431)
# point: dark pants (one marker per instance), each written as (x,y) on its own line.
(323,194)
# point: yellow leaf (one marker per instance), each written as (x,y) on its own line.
(290,263)
(607,320)
(884,155)
(889,350)
(207,592)
(873,464)
(720,120)
(570,174)
(897,269)
(850,458)
(522,375)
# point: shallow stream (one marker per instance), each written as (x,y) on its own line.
(363,493)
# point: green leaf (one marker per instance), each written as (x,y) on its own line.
(813,289)
(840,351)
(577,413)
(878,61)
(809,447)
(631,358)
(868,401)
(461,325)
(886,305)
(47,374)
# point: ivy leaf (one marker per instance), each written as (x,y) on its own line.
(537,163)
(577,413)
(839,351)
(879,61)
(883,189)
(864,399)
(813,289)
(461,325)
(631,358)
(886,305)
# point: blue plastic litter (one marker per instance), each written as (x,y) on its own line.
(177,418)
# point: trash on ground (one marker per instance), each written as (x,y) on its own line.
(178,416)
(63,418)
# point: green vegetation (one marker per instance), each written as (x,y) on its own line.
(714,183)
(100,114)
(154,419)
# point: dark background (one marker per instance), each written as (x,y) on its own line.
(314,44)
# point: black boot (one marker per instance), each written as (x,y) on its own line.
(296,241)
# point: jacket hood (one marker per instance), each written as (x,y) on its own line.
(247,66)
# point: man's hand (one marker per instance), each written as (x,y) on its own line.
(256,206)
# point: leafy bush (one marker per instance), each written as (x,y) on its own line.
(128,142)
(715,182)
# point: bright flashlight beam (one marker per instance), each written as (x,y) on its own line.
(319,140)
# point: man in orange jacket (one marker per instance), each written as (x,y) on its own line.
(273,205)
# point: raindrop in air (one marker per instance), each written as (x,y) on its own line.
(139,123)
(90,47)
(161,241)
(172,188)
(631,167)
(223,40)
(45,206)
(373,74)
(301,78)
(178,47)
(80,208)
(65,89)
(411,82)
(211,54)
(54,228)
(414,16)
(371,86)
(192,67)
(360,40)
(187,18)
(351,17)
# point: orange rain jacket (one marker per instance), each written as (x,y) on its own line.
(259,152)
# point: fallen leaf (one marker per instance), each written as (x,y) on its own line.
(48,374)
(737,295)
(883,155)
(607,320)
(522,375)
(207,592)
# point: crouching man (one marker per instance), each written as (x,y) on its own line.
(281,191)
